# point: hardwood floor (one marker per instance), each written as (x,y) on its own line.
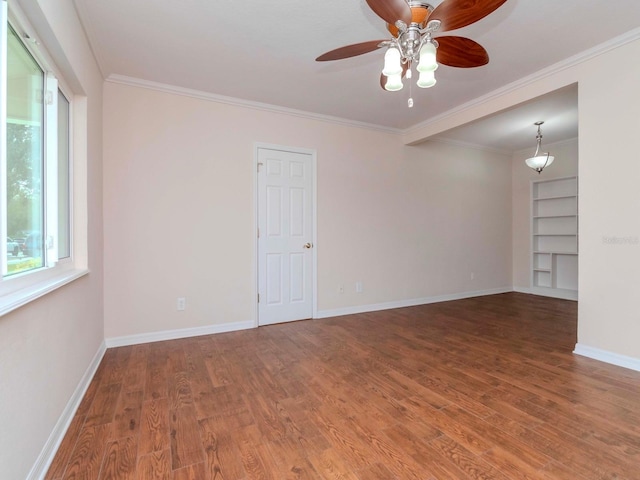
(483,388)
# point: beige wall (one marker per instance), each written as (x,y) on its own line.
(409,222)
(609,122)
(564,165)
(46,346)
(609,101)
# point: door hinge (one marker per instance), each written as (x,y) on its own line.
(258,232)
(258,298)
(259,164)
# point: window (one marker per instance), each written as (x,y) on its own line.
(64,200)
(36,167)
(25,138)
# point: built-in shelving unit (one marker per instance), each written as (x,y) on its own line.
(554,227)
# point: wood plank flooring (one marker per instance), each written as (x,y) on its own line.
(483,388)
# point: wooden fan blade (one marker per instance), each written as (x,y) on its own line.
(459,13)
(383,78)
(461,52)
(350,51)
(391,10)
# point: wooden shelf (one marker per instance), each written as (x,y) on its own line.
(554,198)
(554,235)
(554,208)
(554,253)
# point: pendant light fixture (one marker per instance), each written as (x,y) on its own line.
(539,161)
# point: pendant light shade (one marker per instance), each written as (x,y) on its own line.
(392,62)
(427,61)
(426,79)
(394,83)
(539,161)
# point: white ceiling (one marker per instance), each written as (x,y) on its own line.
(513,129)
(264,51)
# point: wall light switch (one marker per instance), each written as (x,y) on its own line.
(181,304)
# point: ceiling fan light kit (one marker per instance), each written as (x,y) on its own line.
(539,161)
(427,61)
(393,83)
(413,24)
(392,62)
(427,79)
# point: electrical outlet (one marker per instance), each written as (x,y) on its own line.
(358,287)
(341,289)
(473,275)
(181,304)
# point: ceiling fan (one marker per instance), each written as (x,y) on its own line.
(413,25)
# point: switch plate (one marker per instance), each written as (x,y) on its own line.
(181,304)
(358,287)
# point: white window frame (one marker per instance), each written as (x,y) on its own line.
(67,95)
(21,288)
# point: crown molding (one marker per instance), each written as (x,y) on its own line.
(570,62)
(238,102)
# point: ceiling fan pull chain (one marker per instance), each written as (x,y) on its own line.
(408,74)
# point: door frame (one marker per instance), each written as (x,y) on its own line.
(314,223)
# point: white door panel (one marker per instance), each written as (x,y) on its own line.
(285,211)
(274,279)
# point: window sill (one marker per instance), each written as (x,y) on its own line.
(17,299)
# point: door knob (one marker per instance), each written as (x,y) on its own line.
(308,245)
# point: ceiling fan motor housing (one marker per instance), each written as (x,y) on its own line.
(420,11)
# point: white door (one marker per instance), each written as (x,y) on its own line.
(285,236)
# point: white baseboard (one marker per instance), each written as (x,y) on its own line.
(43,462)
(548,292)
(526,290)
(175,334)
(608,357)
(408,303)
